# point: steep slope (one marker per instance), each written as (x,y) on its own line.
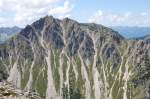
(64,59)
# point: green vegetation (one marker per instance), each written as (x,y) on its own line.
(142,75)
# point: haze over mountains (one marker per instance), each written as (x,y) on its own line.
(65,59)
(7,32)
(132,32)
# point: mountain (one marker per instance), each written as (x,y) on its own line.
(65,59)
(132,32)
(7,32)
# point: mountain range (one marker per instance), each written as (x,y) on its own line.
(65,59)
(7,32)
(132,32)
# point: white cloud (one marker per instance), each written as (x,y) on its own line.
(64,16)
(6,4)
(146,23)
(62,11)
(98,17)
(22,12)
(120,19)
(0,4)
(101,17)
(66,8)
(111,17)
(144,13)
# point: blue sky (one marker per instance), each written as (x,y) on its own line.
(106,12)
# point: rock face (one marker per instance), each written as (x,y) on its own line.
(64,59)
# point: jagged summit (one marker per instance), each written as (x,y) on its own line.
(50,19)
(59,32)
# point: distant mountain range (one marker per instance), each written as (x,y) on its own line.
(132,32)
(6,32)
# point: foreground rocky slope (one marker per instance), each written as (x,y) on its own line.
(64,59)
(8,91)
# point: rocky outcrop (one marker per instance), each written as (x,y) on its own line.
(8,91)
